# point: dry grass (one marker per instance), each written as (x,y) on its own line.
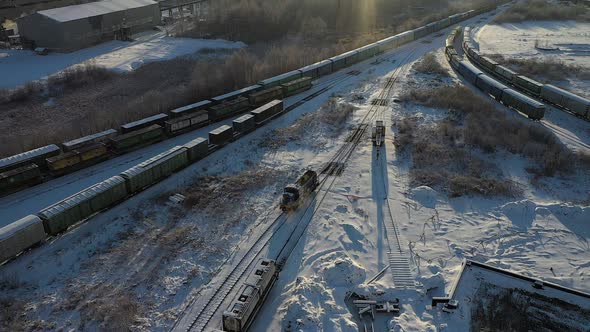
(331,119)
(430,65)
(543,10)
(441,155)
(545,69)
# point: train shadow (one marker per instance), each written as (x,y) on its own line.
(379,189)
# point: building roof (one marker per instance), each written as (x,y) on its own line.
(77,12)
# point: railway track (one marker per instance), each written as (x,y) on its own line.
(199,317)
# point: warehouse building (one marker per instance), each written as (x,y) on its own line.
(71,28)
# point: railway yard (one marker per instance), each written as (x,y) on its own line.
(367,246)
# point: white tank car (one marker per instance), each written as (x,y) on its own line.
(245,305)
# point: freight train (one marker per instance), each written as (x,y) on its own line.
(577,105)
(502,93)
(58,217)
(34,166)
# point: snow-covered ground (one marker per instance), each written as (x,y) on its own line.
(517,40)
(140,263)
(20,66)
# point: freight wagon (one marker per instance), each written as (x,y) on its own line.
(280,79)
(568,100)
(144,123)
(197,149)
(177,126)
(19,236)
(228,108)
(101,137)
(182,111)
(317,69)
(58,217)
(155,169)
(36,156)
(21,177)
(264,96)
(268,111)
(532,108)
(235,94)
(244,124)
(296,86)
(137,139)
(221,135)
(77,158)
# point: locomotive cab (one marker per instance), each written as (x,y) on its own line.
(293,192)
(290,196)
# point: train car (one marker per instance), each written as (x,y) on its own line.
(490,86)
(197,149)
(566,99)
(488,63)
(469,71)
(280,79)
(235,94)
(505,73)
(18,178)
(367,52)
(474,54)
(454,19)
(20,236)
(527,84)
(262,97)
(532,108)
(36,156)
(93,139)
(250,297)
(144,123)
(395,41)
(296,86)
(155,169)
(268,111)
(58,217)
(78,158)
(344,60)
(450,53)
(192,108)
(445,22)
(177,126)
(244,124)
(420,32)
(317,69)
(137,139)
(228,108)
(221,135)
(455,61)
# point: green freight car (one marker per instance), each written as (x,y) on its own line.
(296,86)
(137,139)
(58,217)
(228,108)
(20,177)
(262,97)
(155,169)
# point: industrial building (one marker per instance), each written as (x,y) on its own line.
(74,27)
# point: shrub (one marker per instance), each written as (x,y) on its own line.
(543,10)
(429,65)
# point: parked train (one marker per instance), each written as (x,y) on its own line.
(502,93)
(250,297)
(549,93)
(33,166)
(58,217)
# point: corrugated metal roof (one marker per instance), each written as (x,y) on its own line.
(154,161)
(89,138)
(157,117)
(237,93)
(77,12)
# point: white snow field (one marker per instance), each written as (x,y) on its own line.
(21,66)
(517,40)
(139,265)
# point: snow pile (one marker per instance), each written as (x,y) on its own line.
(407,321)
(424,195)
(339,270)
(520,212)
(310,307)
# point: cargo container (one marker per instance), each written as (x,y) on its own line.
(221,135)
(267,111)
(19,178)
(244,124)
(182,111)
(197,149)
(235,94)
(280,79)
(83,156)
